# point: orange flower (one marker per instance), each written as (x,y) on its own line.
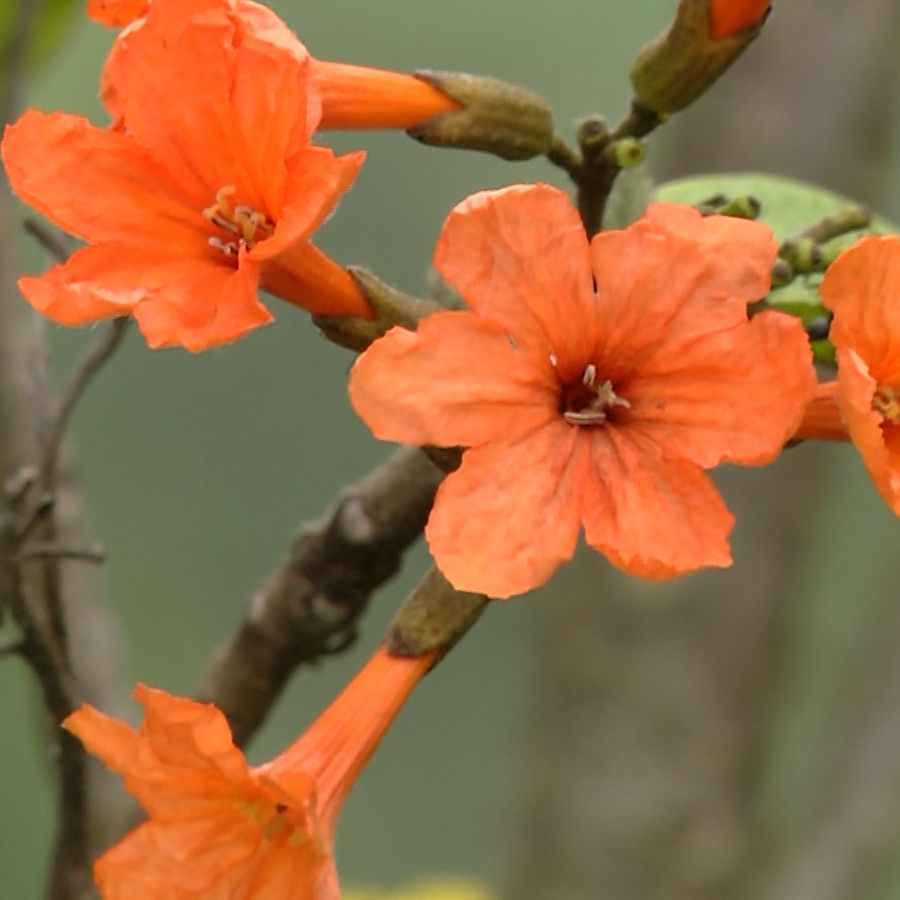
(210,189)
(352,96)
(219,830)
(862,289)
(728,17)
(588,406)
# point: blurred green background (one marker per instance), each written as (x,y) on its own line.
(200,468)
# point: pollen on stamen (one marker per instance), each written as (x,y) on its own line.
(886,402)
(229,248)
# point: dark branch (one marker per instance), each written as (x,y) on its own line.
(50,239)
(309,606)
(97,356)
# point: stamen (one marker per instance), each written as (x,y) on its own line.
(585,417)
(554,360)
(589,403)
(886,402)
(216,218)
(609,397)
(229,248)
(242,220)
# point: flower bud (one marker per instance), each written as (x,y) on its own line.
(496,117)
(677,67)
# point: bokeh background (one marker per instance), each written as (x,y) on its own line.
(731,735)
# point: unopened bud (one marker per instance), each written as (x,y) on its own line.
(677,67)
(745,207)
(496,117)
(782,273)
(433,618)
(803,253)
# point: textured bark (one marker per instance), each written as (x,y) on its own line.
(310,605)
(654,705)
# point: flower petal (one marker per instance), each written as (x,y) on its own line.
(112,740)
(138,867)
(728,17)
(116,13)
(862,289)
(457,380)
(878,443)
(671,278)
(247,110)
(193,302)
(652,516)
(735,395)
(210,306)
(95,183)
(519,256)
(316,182)
(509,516)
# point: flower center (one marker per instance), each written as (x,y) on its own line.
(887,402)
(275,821)
(243,226)
(588,402)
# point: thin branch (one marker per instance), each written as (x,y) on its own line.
(594,171)
(49,550)
(309,606)
(50,239)
(12,648)
(97,356)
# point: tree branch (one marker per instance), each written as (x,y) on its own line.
(309,606)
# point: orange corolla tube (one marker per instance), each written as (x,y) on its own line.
(728,17)
(218,828)
(592,383)
(208,188)
(822,418)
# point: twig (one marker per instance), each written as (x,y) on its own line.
(70,876)
(595,170)
(97,356)
(12,648)
(49,550)
(309,606)
(48,238)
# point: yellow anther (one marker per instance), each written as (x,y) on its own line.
(886,402)
(244,221)
(590,403)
